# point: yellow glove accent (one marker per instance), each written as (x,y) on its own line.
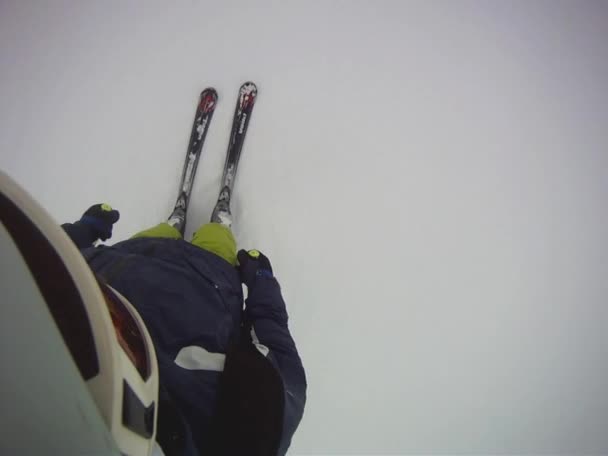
(254,254)
(106,207)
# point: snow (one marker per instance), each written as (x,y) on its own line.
(428,179)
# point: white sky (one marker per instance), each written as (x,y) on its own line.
(429,180)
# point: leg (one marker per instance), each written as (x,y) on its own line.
(216,238)
(162,230)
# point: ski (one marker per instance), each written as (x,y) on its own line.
(242,115)
(202,118)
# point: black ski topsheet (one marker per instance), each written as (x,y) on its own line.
(202,118)
(242,115)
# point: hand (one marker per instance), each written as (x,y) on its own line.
(251,265)
(101,218)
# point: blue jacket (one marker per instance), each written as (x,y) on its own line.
(192,303)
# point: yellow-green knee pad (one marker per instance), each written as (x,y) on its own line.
(216,238)
(162,230)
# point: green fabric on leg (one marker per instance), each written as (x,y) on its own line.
(216,238)
(162,230)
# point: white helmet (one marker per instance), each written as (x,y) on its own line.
(79,371)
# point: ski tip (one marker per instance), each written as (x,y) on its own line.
(208,100)
(249,88)
(209,91)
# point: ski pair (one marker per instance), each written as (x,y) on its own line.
(202,118)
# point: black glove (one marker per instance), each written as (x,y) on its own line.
(100,218)
(251,265)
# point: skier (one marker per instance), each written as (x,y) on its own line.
(198,371)
(231,381)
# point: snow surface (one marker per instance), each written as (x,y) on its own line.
(429,180)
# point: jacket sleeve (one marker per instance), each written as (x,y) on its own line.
(265,310)
(81,234)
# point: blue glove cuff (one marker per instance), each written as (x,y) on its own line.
(95,223)
(264,273)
